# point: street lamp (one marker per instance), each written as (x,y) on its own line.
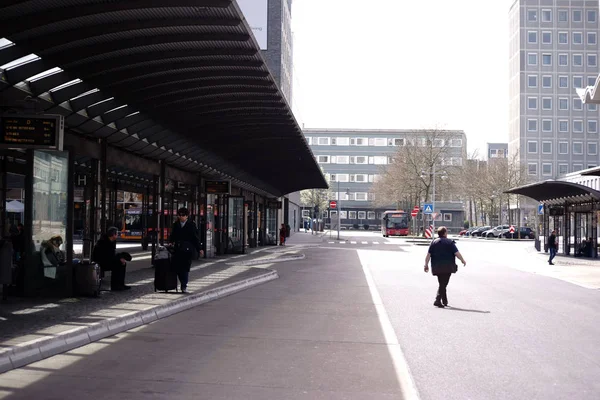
(433,173)
(339,207)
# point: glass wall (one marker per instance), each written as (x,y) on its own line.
(271,228)
(235,226)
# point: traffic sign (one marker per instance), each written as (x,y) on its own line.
(541,209)
(414,213)
(332,204)
(427,208)
(434,215)
(511,229)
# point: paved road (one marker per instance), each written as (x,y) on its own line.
(325,330)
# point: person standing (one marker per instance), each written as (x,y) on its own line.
(282,233)
(442,253)
(552,246)
(186,244)
(105,254)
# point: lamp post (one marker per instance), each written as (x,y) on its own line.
(339,207)
(433,173)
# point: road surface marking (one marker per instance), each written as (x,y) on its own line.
(365,242)
(352,242)
(331,242)
(403,374)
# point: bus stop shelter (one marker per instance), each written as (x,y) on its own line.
(571,210)
(151,93)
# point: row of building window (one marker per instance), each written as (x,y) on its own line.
(563,148)
(353,196)
(375,160)
(380,142)
(563,104)
(498,153)
(563,59)
(563,37)
(563,82)
(563,169)
(563,15)
(358,178)
(369,215)
(563,126)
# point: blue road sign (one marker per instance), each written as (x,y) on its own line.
(541,209)
(427,208)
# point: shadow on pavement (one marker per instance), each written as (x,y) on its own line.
(466,310)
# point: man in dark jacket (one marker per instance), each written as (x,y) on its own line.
(441,253)
(552,247)
(105,254)
(186,245)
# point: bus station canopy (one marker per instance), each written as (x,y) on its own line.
(552,192)
(181,81)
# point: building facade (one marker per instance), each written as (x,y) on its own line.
(553,51)
(497,151)
(354,159)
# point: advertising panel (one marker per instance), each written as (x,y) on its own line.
(257,15)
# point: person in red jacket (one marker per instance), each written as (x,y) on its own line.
(282,233)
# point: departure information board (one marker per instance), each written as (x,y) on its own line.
(217,187)
(32,131)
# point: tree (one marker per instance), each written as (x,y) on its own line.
(317,197)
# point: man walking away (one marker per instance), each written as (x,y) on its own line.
(442,253)
(184,238)
(552,247)
(105,254)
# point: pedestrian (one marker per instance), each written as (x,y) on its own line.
(186,246)
(442,253)
(282,232)
(552,246)
(105,255)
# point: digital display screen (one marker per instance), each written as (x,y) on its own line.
(216,187)
(31,131)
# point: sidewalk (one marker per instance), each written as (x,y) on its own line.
(34,329)
(303,238)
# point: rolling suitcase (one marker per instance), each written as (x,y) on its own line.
(87,278)
(165,277)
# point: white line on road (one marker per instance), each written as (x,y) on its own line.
(364,242)
(375,242)
(405,379)
(331,242)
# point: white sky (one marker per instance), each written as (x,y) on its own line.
(403,64)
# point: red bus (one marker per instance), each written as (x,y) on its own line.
(394,223)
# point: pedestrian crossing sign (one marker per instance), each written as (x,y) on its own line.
(427,208)
(540,209)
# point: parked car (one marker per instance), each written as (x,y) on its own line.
(525,233)
(495,232)
(471,230)
(479,231)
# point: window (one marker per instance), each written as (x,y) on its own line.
(591,38)
(532,37)
(532,125)
(377,142)
(546,59)
(563,125)
(563,104)
(547,147)
(532,15)
(438,142)
(379,160)
(546,169)
(546,15)
(309,140)
(576,15)
(362,215)
(591,80)
(563,169)
(343,214)
(532,103)
(323,141)
(563,15)
(592,126)
(447,217)
(532,81)
(342,141)
(592,107)
(563,60)
(371,215)
(591,16)
(358,160)
(547,37)
(532,169)
(592,148)
(305,213)
(358,142)
(563,38)
(547,125)
(342,177)
(578,81)
(577,104)
(323,159)
(563,147)
(577,148)
(577,38)
(342,160)
(563,82)
(361,197)
(577,167)
(577,60)
(592,60)
(578,126)
(547,81)
(547,103)
(398,142)
(532,147)
(456,143)
(352,214)
(532,59)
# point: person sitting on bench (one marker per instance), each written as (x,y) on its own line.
(105,254)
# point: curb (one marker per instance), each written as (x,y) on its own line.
(39,349)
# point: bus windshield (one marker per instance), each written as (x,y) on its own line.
(397,222)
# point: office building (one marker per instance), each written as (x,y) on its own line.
(497,151)
(353,160)
(553,51)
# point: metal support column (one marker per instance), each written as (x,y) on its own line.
(103,184)
(567,231)
(594,231)
(155,215)
(162,184)
(69,281)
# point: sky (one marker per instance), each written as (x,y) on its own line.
(403,64)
